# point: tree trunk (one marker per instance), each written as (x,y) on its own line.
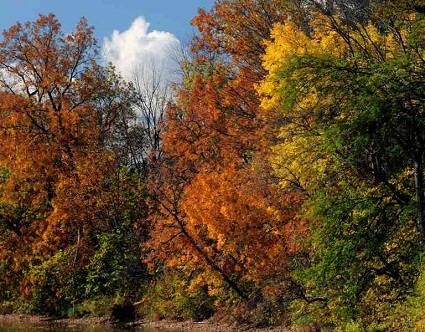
(420,198)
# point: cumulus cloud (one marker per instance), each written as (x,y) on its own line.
(138,47)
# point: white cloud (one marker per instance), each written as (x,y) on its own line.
(138,47)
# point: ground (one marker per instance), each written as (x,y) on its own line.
(205,326)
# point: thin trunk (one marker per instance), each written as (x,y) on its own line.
(77,250)
(420,198)
(208,259)
(215,267)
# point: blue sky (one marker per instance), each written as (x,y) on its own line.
(143,28)
(106,15)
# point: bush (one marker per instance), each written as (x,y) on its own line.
(410,314)
(6,308)
(54,285)
(116,268)
(170,297)
(97,307)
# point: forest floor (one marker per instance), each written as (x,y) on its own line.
(205,326)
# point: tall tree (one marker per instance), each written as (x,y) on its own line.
(60,114)
(211,218)
(350,93)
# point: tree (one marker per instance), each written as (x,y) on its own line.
(350,95)
(212,223)
(61,115)
(153,94)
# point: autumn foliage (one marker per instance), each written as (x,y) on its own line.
(222,219)
(59,113)
(284,184)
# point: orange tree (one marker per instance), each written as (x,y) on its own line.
(221,221)
(60,117)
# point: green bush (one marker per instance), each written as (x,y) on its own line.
(116,268)
(170,297)
(54,285)
(410,314)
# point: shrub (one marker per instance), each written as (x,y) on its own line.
(170,297)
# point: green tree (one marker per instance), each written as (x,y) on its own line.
(350,94)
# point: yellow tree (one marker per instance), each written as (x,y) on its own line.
(348,89)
